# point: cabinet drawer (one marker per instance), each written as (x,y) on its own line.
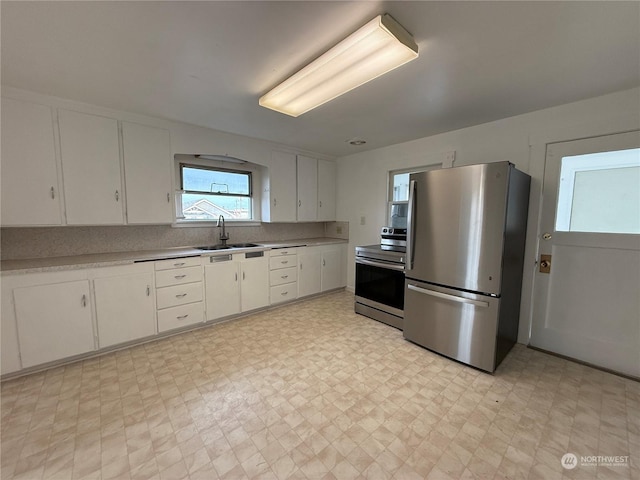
(181,316)
(283,262)
(282,276)
(179,295)
(177,263)
(282,293)
(282,252)
(178,276)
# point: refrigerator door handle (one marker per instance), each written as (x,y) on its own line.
(446,296)
(410,229)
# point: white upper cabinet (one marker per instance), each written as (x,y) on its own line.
(307,173)
(147,168)
(279,202)
(326,191)
(30,193)
(91,169)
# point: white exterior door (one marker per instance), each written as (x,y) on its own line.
(586,300)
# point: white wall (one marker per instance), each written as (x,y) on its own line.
(363,178)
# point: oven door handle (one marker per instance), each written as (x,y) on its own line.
(390,266)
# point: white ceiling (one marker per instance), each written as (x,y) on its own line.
(207,63)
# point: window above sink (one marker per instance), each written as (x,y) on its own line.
(208,186)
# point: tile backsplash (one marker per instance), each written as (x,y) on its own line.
(17,243)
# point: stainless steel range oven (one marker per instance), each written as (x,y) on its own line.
(380,278)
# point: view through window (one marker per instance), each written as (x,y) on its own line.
(208,193)
(600,192)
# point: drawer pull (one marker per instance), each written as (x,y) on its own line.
(178,277)
(284,276)
(182,317)
(181,295)
(178,264)
(284,262)
(284,293)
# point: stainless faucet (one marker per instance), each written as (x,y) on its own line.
(223,235)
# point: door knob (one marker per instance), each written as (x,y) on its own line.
(545,263)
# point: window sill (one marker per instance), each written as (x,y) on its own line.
(209,224)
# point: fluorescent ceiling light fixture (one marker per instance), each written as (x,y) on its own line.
(375,49)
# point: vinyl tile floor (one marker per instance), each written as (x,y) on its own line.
(312,390)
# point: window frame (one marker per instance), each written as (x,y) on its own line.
(249,173)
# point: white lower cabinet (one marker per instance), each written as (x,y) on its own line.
(236,283)
(54,321)
(222,286)
(179,292)
(332,267)
(254,285)
(283,275)
(309,271)
(125,308)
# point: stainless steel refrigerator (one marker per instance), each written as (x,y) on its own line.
(465,255)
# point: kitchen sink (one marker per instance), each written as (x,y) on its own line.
(214,247)
(228,247)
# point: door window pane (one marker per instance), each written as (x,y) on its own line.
(600,192)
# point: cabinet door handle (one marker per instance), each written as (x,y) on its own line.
(53,193)
(182,317)
(284,276)
(181,295)
(320,203)
(178,277)
(301,266)
(84,300)
(323,262)
(236,276)
(117,196)
(299,203)
(148,290)
(168,198)
(243,275)
(275,201)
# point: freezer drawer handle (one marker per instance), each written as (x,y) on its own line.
(446,296)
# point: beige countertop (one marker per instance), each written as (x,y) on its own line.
(32,265)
